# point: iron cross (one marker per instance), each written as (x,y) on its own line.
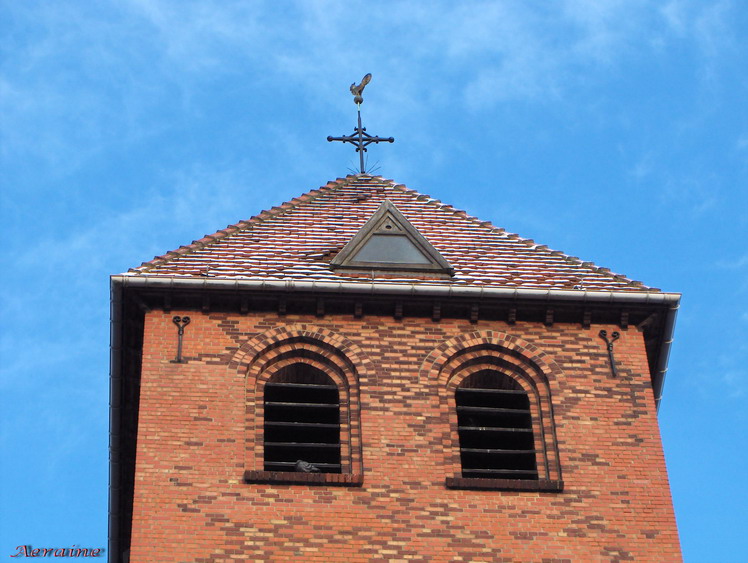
(360,138)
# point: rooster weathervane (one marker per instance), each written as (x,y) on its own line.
(360,138)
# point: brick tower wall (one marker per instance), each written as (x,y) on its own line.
(196,439)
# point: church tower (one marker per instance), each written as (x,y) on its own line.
(367,373)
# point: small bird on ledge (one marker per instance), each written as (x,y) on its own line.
(306,467)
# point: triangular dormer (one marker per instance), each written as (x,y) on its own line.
(388,241)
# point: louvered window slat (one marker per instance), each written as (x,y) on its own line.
(302,420)
(495,428)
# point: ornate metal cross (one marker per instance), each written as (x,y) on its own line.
(360,138)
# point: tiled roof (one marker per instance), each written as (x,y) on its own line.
(297,240)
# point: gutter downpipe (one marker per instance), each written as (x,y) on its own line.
(115,411)
(658,382)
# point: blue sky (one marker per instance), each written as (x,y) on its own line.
(616,131)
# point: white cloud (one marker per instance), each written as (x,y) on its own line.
(724,372)
(643,166)
(107,70)
(674,13)
(735,263)
(742,143)
(605,27)
(736,383)
(712,28)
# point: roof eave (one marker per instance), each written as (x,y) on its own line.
(398,288)
(572,296)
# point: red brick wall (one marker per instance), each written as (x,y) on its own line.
(194,444)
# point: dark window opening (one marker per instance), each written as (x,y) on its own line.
(302,420)
(495,428)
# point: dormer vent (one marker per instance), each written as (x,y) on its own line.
(388,241)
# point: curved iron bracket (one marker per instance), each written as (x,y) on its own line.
(615,336)
(181,322)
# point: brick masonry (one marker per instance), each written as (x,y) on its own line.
(197,437)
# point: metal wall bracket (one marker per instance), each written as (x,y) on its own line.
(624,320)
(474,313)
(615,336)
(587,318)
(181,322)
(436,312)
(548,317)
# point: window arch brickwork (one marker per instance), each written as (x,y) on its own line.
(492,351)
(274,351)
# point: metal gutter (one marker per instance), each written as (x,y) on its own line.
(404,289)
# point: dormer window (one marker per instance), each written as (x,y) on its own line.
(388,241)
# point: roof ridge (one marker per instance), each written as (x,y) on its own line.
(530,243)
(242,225)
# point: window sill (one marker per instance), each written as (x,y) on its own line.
(290,478)
(505,484)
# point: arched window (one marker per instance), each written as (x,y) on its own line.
(495,391)
(303,416)
(302,421)
(495,428)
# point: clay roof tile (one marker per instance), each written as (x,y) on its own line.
(297,240)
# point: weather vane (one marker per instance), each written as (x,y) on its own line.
(360,137)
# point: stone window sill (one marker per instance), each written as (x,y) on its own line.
(289,478)
(545,485)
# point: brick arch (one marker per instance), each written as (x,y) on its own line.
(334,344)
(508,344)
(266,354)
(455,359)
